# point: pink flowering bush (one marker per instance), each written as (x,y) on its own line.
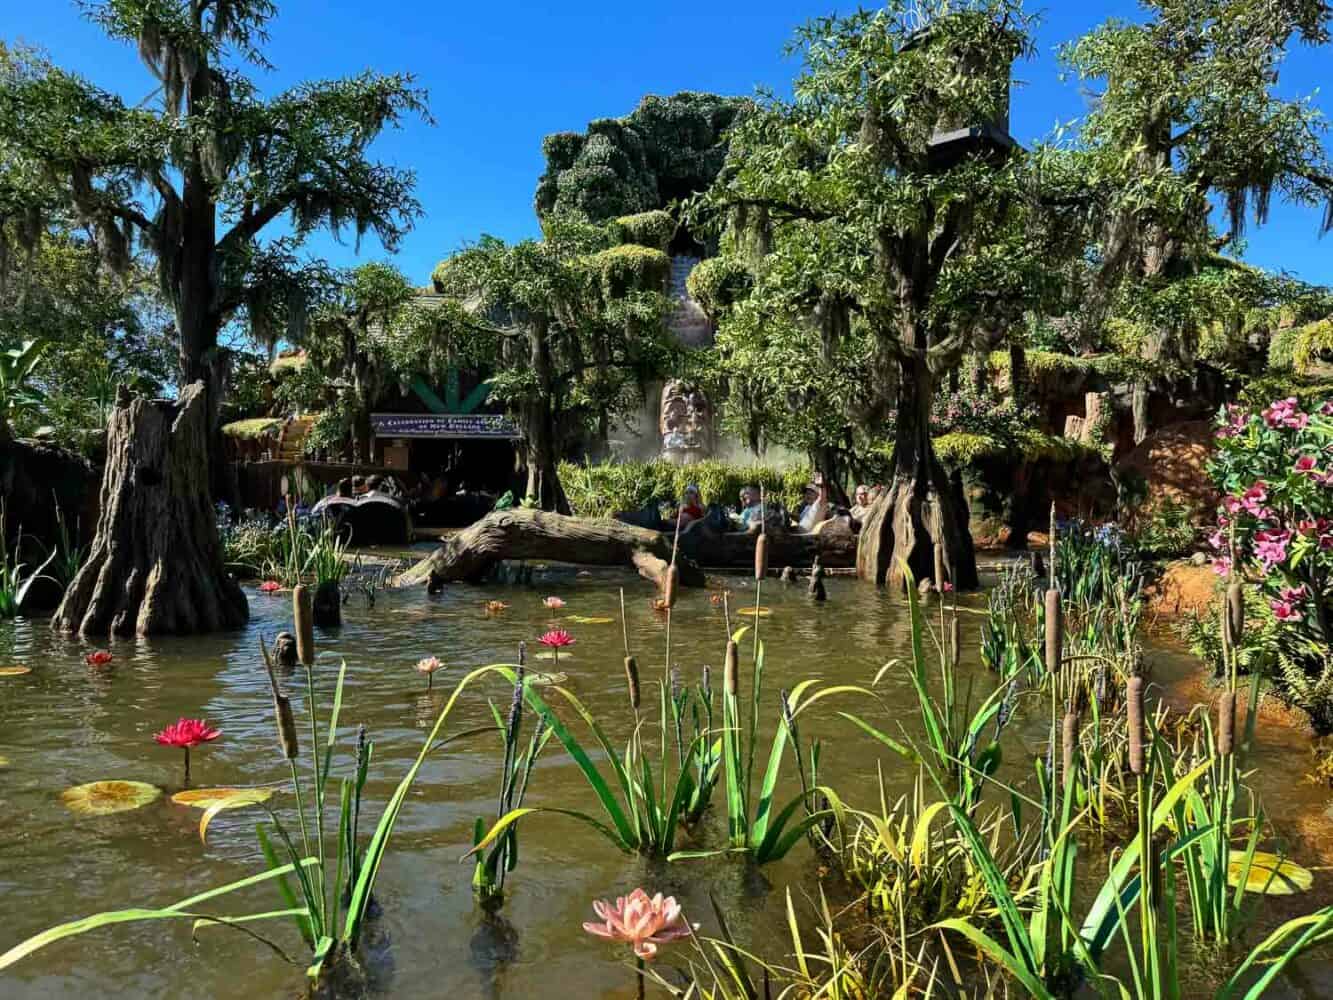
(1274,470)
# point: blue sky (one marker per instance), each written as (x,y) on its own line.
(501,76)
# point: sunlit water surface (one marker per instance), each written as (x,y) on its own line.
(65,724)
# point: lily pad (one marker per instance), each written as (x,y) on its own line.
(4,761)
(550,655)
(544,679)
(1269,874)
(14,671)
(753,611)
(101,798)
(586,620)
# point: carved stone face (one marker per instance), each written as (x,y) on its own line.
(686,421)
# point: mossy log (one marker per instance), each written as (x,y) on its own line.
(156,564)
(533,534)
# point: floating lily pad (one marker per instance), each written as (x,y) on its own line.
(550,655)
(1269,874)
(543,679)
(4,761)
(14,671)
(752,612)
(206,798)
(101,798)
(585,620)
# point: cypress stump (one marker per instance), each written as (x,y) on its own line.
(156,564)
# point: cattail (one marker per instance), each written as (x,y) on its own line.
(1068,743)
(1235,627)
(955,638)
(761,557)
(731,668)
(1054,630)
(1226,723)
(522,653)
(939,567)
(632,679)
(706,682)
(515,708)
(282,709)
(670,583)
(1134,705)
(303,612)
(675,682)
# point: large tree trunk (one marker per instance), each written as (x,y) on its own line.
(156,563)
(534,534)
(540,445)
(920,509)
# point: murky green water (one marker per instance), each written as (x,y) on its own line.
(65,724)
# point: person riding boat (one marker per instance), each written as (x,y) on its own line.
(861,502)
(691,507)
(751,510)
(817,508)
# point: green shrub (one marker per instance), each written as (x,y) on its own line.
(628,267)
(602,490)
(646,229)
(718,282)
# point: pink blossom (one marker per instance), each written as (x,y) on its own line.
(1237,418)
(1216,540)
(1327,409)
(640,920)
(1292,595)
(1231,505)
(1270,547)
(1284,611)
(1285,413)
(1253,498)
(1305,465)
(1323,478)
(1222,566)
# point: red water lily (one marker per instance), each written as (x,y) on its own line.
(269,587)
(98,658)
(557,638)
(186,733)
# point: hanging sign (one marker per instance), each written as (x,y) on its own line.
(443,425)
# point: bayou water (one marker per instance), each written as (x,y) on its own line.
(66,724)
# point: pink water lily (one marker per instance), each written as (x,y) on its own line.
(270,587)
(644,922)
(554,603)
(428,665)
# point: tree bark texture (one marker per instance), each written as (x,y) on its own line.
(834,545)
(155,566)
(921,508)
(534,534)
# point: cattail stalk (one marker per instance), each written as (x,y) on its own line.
(303,613)
(1235,616)
(1134,705)
(731,669)
(1054,630)
(1051,537)
(671,581)
(282,710)
(1068,744)
(632,680)
(939,567)
(1226,723)
(955,638)
(761,556)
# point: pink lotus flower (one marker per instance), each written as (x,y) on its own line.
(428,665)
(554,603)
(186,733)
(270,587)
(641,921)
(557,638)
(98,658)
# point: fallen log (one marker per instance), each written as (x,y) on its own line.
(534,534)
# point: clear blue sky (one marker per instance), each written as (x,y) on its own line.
(503,75)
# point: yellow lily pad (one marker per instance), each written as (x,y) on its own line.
(752,612)
(1269,874)
(206,798)
(543,679)
(4,761)
(101,798)
(550,655)
(586,620)
(14,671)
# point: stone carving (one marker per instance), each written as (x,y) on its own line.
(686,423)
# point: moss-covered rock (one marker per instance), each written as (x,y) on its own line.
(666,149)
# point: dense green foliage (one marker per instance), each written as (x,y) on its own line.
(610,487)
(666,149)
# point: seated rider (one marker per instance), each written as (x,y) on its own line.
(691,509)
(817,508)
(861,502)
(751,510)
